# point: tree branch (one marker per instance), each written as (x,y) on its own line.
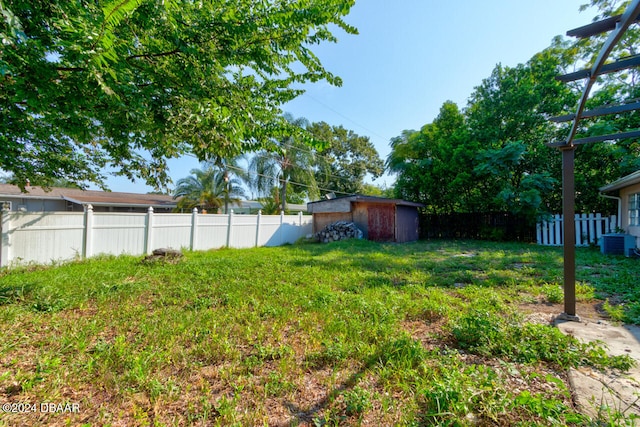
(154,55)
(70,69)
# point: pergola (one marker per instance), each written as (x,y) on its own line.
(618,25)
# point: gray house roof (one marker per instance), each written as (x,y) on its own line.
(112,199)
(623,182)
(93,197)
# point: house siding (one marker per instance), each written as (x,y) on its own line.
(624,221)
(34,205)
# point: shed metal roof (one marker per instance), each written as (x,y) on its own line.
(370,199)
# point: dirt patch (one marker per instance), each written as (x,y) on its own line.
(542,311)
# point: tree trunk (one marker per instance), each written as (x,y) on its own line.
(283,194)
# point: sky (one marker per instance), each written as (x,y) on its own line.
(411,56)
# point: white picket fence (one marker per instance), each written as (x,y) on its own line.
(47,237)
(589,229)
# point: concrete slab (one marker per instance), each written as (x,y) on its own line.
(603,395)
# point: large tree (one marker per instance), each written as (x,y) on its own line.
(435,165)
(492,156)
(122,85)
(508,115)
(288,168)
(345,160)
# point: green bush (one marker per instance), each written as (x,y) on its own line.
(490,334)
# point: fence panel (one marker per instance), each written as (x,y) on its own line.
(295,227)
(122,233)
(171,231)
(37,237)
(53,236)
(211,232)
(589,229)
(269,226)
(243,231)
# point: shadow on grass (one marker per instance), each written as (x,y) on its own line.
(400,353)
(434,263)
(15,293)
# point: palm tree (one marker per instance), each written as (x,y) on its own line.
(233,175)
(290,165)
(209,189)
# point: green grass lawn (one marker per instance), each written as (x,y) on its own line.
(350,333)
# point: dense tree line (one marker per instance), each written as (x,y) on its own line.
(492,155)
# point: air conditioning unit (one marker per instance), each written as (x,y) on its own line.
(617,244)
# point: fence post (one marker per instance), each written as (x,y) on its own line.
(230,225)
(148,239)
(300,218)
(584,233)
(194,228)
(280,228)
(258,228)
(598,225)
(87,250)
(558,224)
(576,218)
(5,244)
(592,228)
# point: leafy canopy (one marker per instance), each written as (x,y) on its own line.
(289,167)
(88,87)
(345,160)
(493,155)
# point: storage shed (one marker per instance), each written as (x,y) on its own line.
(379,218)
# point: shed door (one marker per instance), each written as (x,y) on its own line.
(381,223)
(407,224)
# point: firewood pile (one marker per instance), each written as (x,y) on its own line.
(339,231)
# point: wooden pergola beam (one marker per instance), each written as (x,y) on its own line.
(618,25)
(601,111)
(612,67)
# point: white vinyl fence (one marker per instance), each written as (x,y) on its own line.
(589,229)
(46,237)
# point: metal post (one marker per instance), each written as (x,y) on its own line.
(569,232)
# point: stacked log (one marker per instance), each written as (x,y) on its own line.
(339,231)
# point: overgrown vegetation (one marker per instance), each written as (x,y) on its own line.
(351,333)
